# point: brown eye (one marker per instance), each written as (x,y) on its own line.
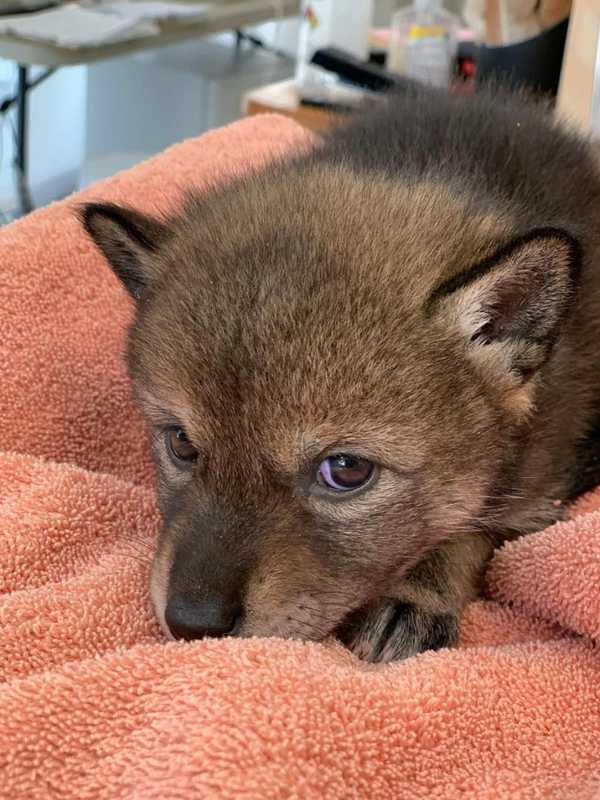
(180,447)
(344,472)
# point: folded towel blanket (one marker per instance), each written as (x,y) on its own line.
(94,704)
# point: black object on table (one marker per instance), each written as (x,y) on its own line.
(353,70)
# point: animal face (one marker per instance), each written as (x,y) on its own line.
(336,371)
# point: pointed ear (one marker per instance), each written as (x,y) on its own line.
(128,240)
(509,308)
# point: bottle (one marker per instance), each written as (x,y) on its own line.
(325,23)
(424,43)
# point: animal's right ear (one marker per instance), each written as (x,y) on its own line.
(127,238)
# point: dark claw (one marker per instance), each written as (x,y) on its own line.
(393,630)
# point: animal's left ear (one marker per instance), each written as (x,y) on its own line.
(128,239)
(509,309)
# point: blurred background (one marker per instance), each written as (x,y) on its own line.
(81,99)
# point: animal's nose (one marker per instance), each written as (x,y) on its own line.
(192,618)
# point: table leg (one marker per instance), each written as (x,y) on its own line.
(21,144)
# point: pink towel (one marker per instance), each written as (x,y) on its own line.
(95,705)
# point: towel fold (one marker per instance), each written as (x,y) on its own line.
(95,705)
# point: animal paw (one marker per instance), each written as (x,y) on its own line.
(392,630)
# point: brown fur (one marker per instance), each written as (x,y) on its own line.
(414,310)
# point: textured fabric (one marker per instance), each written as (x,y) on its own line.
(94,704)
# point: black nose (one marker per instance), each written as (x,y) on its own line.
(191,618)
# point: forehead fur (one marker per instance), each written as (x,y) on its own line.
(315,220)
(303,290)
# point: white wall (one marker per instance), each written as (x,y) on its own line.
(137,106)
(56,135)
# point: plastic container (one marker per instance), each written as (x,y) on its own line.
(424,43)
(337,23)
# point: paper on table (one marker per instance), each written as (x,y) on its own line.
(72,26)
(135,10)
(75,26)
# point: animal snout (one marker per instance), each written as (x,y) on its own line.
(192,618)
